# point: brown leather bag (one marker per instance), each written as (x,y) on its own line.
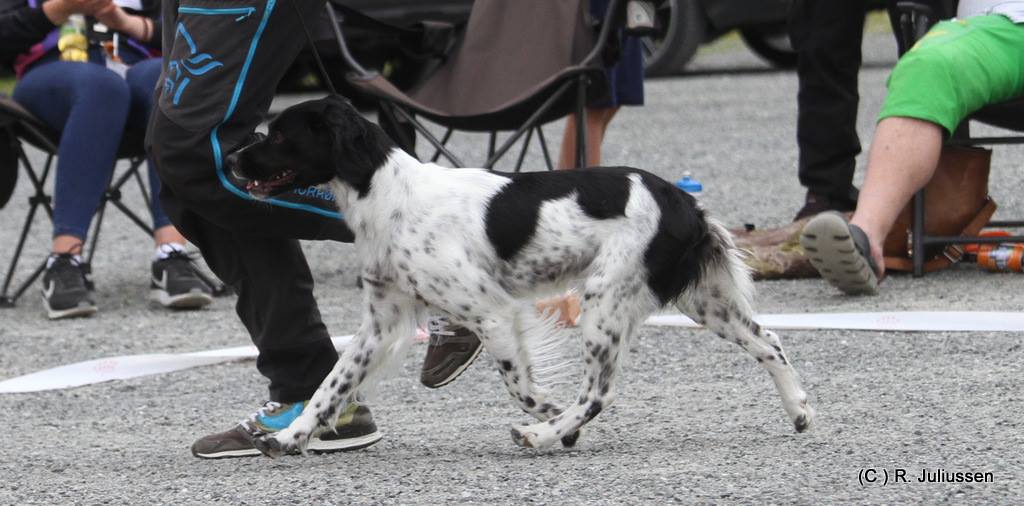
(956,202)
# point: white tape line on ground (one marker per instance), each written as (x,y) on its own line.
(907,321)
(130,366)
(134,366)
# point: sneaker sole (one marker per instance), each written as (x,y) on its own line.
(827,242)
(458,372)
(81,310)
(191,300)
(316,445)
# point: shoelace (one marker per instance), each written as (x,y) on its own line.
(181,264)
(68,271)
(269,406)
(438,330)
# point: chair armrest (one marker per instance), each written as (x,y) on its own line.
(913,21)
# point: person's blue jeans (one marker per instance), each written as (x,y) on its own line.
(91,106)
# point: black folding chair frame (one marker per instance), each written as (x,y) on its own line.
(394,112)
(40,198)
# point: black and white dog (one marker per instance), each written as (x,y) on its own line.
(481,246)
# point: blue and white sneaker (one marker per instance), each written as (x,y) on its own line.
(354,429)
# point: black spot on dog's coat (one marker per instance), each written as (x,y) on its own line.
(513,212)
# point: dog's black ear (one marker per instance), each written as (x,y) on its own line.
(358,147)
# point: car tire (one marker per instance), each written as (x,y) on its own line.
(685,25)
(771,42)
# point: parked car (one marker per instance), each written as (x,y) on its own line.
(686,24)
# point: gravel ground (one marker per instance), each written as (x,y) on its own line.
(695,420)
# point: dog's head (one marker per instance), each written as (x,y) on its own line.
(310,144)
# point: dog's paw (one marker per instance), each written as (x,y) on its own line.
(570,440)
(269,446)
(522,439)
(804,421)
(281,443)
(539,436)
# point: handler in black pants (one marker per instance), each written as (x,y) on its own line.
(827,35)
(222,63)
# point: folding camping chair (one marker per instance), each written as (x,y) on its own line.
(519,65)
(915,18)
(22,127)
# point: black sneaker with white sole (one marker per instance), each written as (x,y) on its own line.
(176,285)
(65,293)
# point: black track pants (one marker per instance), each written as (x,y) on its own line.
(827,35)
(222,62)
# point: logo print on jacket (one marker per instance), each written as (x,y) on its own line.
(180,72)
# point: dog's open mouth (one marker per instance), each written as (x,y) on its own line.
(267,187)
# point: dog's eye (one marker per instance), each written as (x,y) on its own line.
(277,138)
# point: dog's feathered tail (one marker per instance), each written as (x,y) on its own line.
(723,274)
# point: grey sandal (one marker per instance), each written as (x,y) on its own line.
(841,253)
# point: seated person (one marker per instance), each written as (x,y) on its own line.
(92,105)
(958,67)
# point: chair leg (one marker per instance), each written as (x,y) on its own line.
(491,141)
(444,142)
(581,124)
(918,234)
(544,148)
(530,122)
(429,137)
(399,131)
(113,196)
(7,299)
(142,189)
(522,152)
(38,199)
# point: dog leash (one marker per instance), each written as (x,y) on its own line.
(312,45)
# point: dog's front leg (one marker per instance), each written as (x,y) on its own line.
(383,326)
(329,400)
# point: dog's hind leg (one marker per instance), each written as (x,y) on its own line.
(721,302)
(499,335)
(389,321)
(611,313)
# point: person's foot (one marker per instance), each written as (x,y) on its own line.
(841,253)
(65,292)
(815,204)
(175,283)
(450,352)
(354,429)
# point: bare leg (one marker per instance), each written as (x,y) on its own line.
(597,125)
(168,234)
(902,160)
(67,244)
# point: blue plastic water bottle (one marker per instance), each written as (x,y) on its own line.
(690,185)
